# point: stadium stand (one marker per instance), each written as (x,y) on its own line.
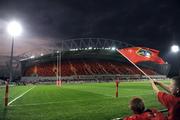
(85,68)
(92,59)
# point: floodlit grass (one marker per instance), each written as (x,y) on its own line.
(88,101)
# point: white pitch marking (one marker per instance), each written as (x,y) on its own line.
(20,95)
(50,103)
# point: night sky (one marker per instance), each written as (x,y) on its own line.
(148,23)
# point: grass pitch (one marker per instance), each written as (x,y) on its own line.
(87,101)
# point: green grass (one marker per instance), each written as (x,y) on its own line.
(88,101)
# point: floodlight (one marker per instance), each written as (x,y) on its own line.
(175,48)
(113,48)
(90,48)
(42,54)
(32,57)
(57,51)
(14,28)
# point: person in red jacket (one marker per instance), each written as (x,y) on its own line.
(170,100)
(139,112)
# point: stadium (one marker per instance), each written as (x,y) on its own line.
(88,69)
(91,59)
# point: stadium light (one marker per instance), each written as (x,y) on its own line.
(175,48)
(32,57)
(57,51)
(90,48)
(42,54)
(113,48)
(14,29)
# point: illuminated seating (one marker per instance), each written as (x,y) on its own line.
(85,68)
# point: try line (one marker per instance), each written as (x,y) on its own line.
(20,95)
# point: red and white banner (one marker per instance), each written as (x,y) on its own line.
(141,54)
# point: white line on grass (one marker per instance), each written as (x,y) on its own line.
(20,95)
(50,103)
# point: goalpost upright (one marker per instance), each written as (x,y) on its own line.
(59,66)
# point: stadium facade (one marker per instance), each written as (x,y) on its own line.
(91,59)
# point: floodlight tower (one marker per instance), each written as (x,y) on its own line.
(14,29)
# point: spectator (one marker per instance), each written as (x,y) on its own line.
(170,100)
(139,112)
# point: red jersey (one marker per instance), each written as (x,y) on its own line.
(172,103)
(147,115)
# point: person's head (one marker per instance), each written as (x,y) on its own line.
(175,86)
(136,104)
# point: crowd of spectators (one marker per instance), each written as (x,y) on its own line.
(170,99)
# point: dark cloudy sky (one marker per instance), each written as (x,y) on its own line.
(149,23)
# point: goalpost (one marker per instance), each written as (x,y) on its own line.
(59,66)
